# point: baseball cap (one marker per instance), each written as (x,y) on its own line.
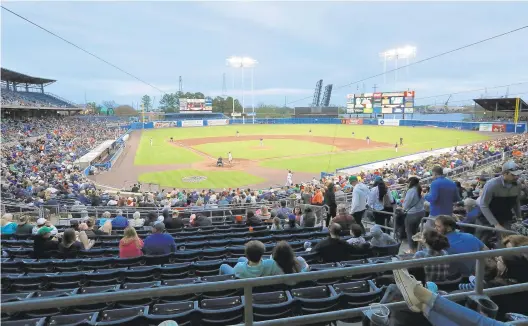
(159,226)
(44,230)
(353,178)
(41,221)
(511,167)
(22,220)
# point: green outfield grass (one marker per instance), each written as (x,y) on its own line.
(316,160)
(215,179)
(251,149)
(161,152)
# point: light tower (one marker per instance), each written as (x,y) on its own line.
(244,62)
(404,53)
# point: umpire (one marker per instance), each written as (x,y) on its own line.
(499,198)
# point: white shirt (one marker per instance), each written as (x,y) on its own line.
(229,157)
(373,199)
(359,198)
(290,176)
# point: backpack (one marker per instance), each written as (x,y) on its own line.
(386,200)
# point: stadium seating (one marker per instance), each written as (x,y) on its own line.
(32,99)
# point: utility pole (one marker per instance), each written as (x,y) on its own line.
(180,88)
(375,87)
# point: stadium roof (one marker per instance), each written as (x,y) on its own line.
(500,104)
(13,76)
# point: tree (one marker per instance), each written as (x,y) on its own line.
(111,104)
(147,102)
(169,103)
(94,107)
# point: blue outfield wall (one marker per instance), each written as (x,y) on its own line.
(482,126)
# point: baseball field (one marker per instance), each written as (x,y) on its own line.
(189,161)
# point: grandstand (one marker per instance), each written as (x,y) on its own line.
(26,94)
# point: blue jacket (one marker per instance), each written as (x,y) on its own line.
(120,221)
(443,194)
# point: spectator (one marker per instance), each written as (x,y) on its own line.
(357,236)
(459,243)
(119,221)
(291,223)
(24,228)
(174,222)
(298,215)
(379,238)
(472,211)
(43,222)
(436,244)
(308,219)
(414,206)
(380,199)
(340,196)
(136,221)
(276,226)
(130,245)
(284,256)
(442,195)
(344,219)
(264,213)
(333,249)
(252,265)
(330,201)
(360,195)
(499,197)
(285,211)
(8,226)
(70,246)
(252,220)
(201,220)
(44,244)
(159,243)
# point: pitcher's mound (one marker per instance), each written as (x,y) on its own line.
(237,164)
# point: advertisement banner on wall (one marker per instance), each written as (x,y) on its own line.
(164,124)
(389,122)
(352,121)
(498,127)
(408,110)
(387,109)
(485,127)
(192,123)
(218,122)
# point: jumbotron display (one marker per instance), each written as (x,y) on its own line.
(191,105)
(381,103)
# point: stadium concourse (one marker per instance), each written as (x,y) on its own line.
(137,239)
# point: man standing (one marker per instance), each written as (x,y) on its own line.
(368,140)
(442,195)
(150,141)
(261,142)
(230,158)
(499,197)
(237,134)
(396,147)
(289,179)
(401,141)
(359,199)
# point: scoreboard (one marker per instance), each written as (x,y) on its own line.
(381,103)
(191,105)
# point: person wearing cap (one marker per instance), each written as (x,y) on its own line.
(500,196)
(41,222)
(360,194)
(159,242)
(23,227)
(44,243)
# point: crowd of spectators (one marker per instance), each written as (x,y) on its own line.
(31,99)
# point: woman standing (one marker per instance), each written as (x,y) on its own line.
(413,205)
(380,199)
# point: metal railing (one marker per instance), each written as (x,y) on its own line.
(248,284)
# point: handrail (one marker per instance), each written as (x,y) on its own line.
(248,284)
(476,226)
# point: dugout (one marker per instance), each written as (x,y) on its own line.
(511,108)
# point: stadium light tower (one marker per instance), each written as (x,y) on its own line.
(243,62)
(406,53)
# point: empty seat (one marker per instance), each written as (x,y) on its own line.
(357,294)
(83,319)
(138,302)
(222,293)
(214,253)
(180,297)
(26,322)
(172,271)
(207,267)
(221,311)
(273,305)
(322,267)
(181,312)
(142,273)
(12,297)
(126,316)
(316,299)
(390,250)
(105,277)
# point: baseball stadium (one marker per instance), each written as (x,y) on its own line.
(203,210)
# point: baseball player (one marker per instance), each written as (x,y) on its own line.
(396,147)
(237,134)
(368,140)
(289,179)
(261,142)
(401,141)
(150,141)
(230,158)
(353,134)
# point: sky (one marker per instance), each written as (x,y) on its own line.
(296,43)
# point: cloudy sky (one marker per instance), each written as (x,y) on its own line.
(296,43)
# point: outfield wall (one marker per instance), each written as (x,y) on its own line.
(476,126)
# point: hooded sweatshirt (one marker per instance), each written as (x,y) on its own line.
(380,239)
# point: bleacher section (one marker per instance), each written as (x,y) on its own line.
(31,99)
